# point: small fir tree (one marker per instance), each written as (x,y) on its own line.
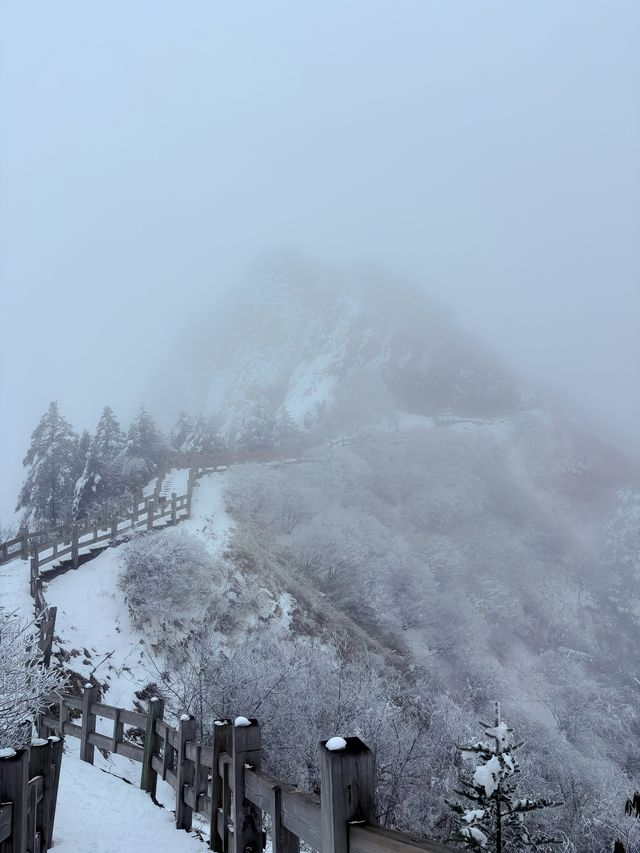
(145,441)
(256,433)
(102,476)
(181,431)
(286,433)
(493,817)
(203,438)
(47,493)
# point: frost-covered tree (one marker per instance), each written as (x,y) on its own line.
(182,428)
(145,441)
(493,816)
(286,433)
(103,475)
(24,680)
(202,437)
(84,442)
(47,493)
(256,433)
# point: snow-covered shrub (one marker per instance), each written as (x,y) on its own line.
(168,579)
(24,680)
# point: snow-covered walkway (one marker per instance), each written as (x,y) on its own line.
(99,813)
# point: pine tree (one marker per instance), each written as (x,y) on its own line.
(102,476)
(256,433)
(286,433)
(145,441)
(203,438)
(84,442)
(47,493)
(181,431)
(494,815)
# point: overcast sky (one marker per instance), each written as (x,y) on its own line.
(488,150)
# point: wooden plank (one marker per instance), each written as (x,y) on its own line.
(102,741)
(106,711)
(376,839)
(171,778)
(130,750)
(6,818)
(156,764)
(301,816)
(133,718)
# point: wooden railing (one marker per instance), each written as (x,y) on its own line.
(28,792)
(223,781)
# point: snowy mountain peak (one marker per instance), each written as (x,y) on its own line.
(341,349)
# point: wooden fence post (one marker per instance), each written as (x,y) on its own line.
(150,503)
(114,528)
(247,818)
(184,771)
(40,765)
(220,789)
(89,697)
(149,777)
(174,513)
(24,544)
(282,841)
(14,788)
(34,571)
(57,748)
(74,545)
(347,790)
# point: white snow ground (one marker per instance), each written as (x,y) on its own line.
(99,813)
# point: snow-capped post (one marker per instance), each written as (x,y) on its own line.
(347,790)
(174,511)
(220,788)
(149,777)
(90,696)
(74,545)
(40,765)
(14,788)
(247,818)
(184,771)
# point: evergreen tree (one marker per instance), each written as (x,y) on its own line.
(286,433)
(256,433)
(103,476)
(203,438)
(84,443)
(145,441)
(493,817)
(181,431)
(47,493)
